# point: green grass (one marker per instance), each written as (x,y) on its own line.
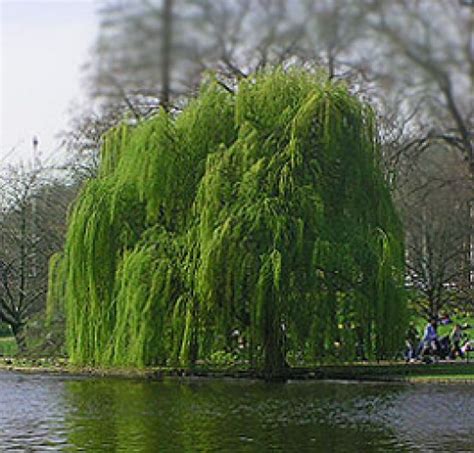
(446,330)
(443,377)
(8,346)
(458,372)
(394,371)
(421,323)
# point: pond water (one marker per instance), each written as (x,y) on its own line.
(51,413)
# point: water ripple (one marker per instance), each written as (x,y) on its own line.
(47,413)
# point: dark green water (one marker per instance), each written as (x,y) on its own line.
(45,413)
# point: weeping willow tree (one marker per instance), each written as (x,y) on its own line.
(263,211)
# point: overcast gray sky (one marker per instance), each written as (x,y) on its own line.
(43,44)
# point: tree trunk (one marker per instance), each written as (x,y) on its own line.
(166,53)
(275,366)
(194,345)
(19,334)
(471,246)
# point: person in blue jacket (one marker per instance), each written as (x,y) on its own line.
(430,338)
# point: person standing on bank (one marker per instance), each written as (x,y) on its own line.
(430,338)
(456,337)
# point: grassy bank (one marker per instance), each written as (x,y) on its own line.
(416,372)
(381,372)
(420,325)
(8,346)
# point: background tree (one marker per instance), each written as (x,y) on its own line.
(435,208)
(429,67)
(425,70)
(32,225)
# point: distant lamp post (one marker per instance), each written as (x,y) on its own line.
(33,210)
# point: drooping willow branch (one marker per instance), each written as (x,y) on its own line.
(224,219)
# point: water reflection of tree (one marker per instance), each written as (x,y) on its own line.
(111,415)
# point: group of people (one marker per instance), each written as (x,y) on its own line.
(456,344)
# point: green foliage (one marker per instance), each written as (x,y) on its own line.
(5,330)
(8,346)
(264,211)
(56,287)
(222,359)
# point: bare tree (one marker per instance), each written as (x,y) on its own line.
(152,53)
(426,48)
(436,216)
(32,225)
(144,53)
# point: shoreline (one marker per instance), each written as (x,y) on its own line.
(441,373)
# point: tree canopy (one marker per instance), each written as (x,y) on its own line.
(263,212)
